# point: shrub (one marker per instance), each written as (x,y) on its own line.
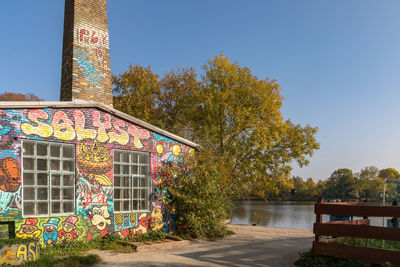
(197,198)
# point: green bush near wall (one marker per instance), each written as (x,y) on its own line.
(197,198)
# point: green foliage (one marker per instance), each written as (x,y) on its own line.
(153,235)
(307,259)
(197,198)
(231,113)
(369,185)
(304,190)
(341,184)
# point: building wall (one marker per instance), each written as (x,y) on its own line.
(85,128)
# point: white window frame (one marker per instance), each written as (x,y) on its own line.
(133,181)
(52,183)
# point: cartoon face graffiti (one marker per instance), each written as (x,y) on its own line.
(68,232)
(100,217)
(50,231)
(10,173)
(29,229)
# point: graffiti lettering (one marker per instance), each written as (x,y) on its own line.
(81,132)
(121,137)
(39,128)
(63,128)
(28,252)
(102,135)
(92,37)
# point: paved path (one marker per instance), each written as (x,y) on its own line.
(250,246)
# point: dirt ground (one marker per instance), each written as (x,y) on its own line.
(250,246)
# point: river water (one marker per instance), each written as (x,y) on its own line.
(280,214)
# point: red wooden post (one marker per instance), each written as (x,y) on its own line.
(318,219)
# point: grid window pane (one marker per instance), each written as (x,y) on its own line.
(29,193)
(68,193)
(29,149)
(41,149)
(43,208)
(117,169)
(42,164)
(117,193)
(42,193)
(67,151)
(68,165)
(68,206)
(117,156)
(42,179)
(117,181)
(68,180)
(55,151)
(55,193)
(55,179)
(55,164)
(135,169)
(55,207)
(117,205)
(29,208)
(48,178)
(29,164)
(29,178)
(127,205)
(125,157)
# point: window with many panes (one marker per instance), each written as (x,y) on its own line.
(48,178)
(131,181)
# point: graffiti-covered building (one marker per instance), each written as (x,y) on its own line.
(78,169)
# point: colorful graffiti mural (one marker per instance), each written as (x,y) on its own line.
(95,134)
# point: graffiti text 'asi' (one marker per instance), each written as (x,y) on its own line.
(62,127)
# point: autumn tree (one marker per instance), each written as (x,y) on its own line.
(136,93)
(241,123)
(178,101)
(389,173)
(10,96)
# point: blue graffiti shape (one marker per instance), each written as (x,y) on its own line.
(92,74)
(4,130)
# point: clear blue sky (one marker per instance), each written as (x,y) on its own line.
(337,62)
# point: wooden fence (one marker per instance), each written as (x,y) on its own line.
(355,228)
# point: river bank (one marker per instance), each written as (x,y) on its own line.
(250,246)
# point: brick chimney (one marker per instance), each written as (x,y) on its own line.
(86,73)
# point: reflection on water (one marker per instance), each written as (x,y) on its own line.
(282,214)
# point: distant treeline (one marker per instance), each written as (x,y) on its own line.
(342,184)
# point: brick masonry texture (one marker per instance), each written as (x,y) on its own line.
(86,129)
(86,73)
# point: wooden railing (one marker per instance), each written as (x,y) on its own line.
(355,228)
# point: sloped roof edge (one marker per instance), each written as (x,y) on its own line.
(86,104)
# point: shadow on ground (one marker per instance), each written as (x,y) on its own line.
(236,252)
